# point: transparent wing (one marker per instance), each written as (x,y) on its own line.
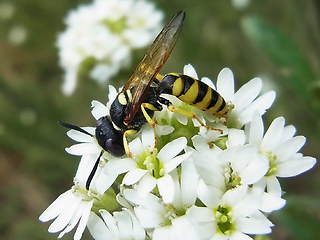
(151,64)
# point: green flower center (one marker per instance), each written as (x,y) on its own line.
(272,163)
(224,220)
(115,26)
(232,178)
(148,160)
(171,214)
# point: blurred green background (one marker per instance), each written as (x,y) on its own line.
(277,40)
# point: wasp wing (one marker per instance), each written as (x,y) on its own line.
(151,64)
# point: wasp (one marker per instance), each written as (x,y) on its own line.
(135,105)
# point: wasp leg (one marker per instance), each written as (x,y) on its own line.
(125,142)
(190,114)
(149,119)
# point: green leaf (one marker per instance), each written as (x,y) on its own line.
(283,52)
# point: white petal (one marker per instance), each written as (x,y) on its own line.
(146,185)
(84,219)
(99,110)
(209,82)
(148,138)
(164,129)
(147,218)
(83,148)
(236,236)
(166,188)
(57,206)
(112,93)
(173,163)
(64,218)
(256,129)
(136,147)
(209,195)
(234,195)
(119,166)
(124,224)
(295,166)
(183,229)
(181,118)
(103,181)
(271,203)
(247,93)
(189,182)
(225,84)
(260,104)
(97,228)
(236,137)
(255,170)
(162,233)
(170,150)
(133,176)
(190,71)
(253,226)
(200,214)
(273,186)
(73,222)
(85,166)
(273,134)
(81,137)
(110,222)
(287,149)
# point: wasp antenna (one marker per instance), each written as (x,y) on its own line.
(71,126)
(93,171)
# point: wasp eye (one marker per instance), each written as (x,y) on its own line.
(115,148)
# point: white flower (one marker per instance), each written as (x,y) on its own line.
(230,168)
(7,10)
(281,147)
(229,217)
(152,168)
(122,225)
(68,209)
(168,221)
(246,101)
(103,35)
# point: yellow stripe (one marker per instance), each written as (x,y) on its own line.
(205,101)
(122,99)
(214,109)
(191,95)
(177,87)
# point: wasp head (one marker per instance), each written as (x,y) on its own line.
(109,138)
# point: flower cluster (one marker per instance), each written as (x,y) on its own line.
(101,36)
(194,182)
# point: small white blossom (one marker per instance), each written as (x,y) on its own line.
(122,225)
(152,168)
(168,221)
(281,147)
(230,217)
(69,209)
(102,35)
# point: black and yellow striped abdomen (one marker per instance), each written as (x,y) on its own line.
(195,93)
